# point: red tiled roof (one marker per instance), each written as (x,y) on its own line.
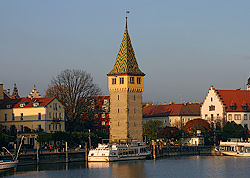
(172,110)
(29,102)
(7,101)
(236,98)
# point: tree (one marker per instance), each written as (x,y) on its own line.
(169,132)
(192,126)
(151,128)
(71,85)
(232,130)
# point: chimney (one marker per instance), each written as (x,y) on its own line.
(1,92)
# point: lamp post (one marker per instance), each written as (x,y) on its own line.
(89,140)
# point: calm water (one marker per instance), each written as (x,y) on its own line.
(193,166)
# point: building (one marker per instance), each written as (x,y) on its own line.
(174,115)
(31,116)
(100,107)
(126,83)
(221,106)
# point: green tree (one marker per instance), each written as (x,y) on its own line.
(232,130)
(151,128)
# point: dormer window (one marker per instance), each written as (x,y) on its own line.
(22,105)
(8,106)
(244,107)
(35,104)
(233,107)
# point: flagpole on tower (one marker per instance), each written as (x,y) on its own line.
(127,12)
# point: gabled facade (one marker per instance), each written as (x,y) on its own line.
(32,115)
(174,115)
(126,83)
(221,106)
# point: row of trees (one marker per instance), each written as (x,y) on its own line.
(154,130)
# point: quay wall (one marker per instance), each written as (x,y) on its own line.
(162,151)
(48,157)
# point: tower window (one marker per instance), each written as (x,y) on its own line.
(118,97)
(138,80)
(122,80)
(132,80)
(118,110)
(134,97)
(113,81)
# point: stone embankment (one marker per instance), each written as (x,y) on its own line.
(159,150)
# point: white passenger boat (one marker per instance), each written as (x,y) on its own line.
(235,148)
(119,150)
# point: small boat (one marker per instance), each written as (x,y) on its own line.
(8,164)
(235,148)
(119,150)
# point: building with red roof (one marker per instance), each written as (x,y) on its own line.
(31,115)
(221,106)
(174,115)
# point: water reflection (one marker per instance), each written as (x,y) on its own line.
(196,166)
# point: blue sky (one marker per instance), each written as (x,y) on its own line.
(182,46)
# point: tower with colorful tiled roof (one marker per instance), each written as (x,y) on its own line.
(126,83)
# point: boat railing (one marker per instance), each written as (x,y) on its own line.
(125,141)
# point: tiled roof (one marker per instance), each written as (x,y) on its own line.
(29,102)
(7,101)
(126,62)
(235,99)
(172,110)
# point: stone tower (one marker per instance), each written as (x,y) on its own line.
(126,83)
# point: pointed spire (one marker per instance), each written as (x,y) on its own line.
(125,61)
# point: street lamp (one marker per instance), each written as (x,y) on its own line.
(89,140)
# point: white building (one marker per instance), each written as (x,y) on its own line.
(221,106)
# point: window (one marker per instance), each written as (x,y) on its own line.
(212,108)
(122,80)
(60,127)
(211,99)
(138,80)
(205,116)
(39,116)
(21,117)
(134,110)
(212,116)
(56,126)
(13,117)
(229,117)
(5,117)
(21,128)
(170,120)
(55,106)
(183,119)
(49,126)
(118,110)
(237,117)
(132,80)
(113,81)
(49,114)
(134,97)
(189,119)
(60,116)
(118,97)
(39,127)
(218,116)
(245,116)
(103,122)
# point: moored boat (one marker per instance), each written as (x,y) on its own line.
(119,150)
(235,148)
(7,164)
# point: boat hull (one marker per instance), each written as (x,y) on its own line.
(7,164)
(114,158)
(235,154)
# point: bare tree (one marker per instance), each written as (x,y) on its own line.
(71,85)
